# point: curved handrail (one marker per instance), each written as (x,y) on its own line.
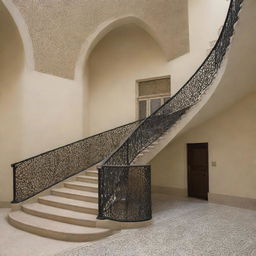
(35,174)
(234,4)
(159,122)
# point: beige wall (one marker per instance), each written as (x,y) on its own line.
(129,53)
(232,142)
(11,67)
(38,112)
(126,54)
(206,18)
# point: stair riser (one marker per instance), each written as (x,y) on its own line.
(84,188)
(84,179)
(68,207)
(76,197)
(92,174)
(59,235)
(69,220)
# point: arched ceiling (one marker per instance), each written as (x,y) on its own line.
(11,52)
(59,28)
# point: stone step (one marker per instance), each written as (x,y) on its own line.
(76,194)
(88,179)
(62,215)
(55,229)
(69,204)
(93,173)
(79,185)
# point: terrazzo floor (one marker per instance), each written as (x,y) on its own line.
(181,227)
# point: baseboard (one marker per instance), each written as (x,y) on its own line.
(169,191)
(241,202)
(5,204)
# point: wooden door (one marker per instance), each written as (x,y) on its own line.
(198,177)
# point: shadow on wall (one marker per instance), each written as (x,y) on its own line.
(11,67)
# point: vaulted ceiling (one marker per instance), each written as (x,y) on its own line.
(59,28)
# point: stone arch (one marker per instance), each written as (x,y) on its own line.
(23,31)
(134,54)
(12,64)
(102,31)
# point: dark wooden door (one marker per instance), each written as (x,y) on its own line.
(198,177)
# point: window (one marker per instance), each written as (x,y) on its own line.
(152,94)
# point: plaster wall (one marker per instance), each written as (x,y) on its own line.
(120,58)
(45,112)
(38,112)
(129,53)
(232,142)
(11,68)
(206,18)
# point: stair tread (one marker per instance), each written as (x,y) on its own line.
(42,208)
(72,202)
(76,192)
(53,225)
(87,177)
(90,170)
(81,183)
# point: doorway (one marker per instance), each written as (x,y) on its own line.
(198,170)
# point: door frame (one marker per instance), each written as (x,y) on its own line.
(188,171)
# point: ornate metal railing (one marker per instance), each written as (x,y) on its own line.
(124,189)
(35,174)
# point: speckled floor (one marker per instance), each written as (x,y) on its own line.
(182,227)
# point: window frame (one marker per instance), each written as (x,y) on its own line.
(148,98)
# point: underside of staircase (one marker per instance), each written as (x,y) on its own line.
(69,213)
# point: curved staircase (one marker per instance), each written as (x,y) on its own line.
(95,203)
(68,213)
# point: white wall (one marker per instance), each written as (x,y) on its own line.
(232,141)
(128,53)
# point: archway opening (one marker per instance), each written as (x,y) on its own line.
(123,56)
(11,67)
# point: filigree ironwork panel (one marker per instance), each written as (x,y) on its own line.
(38,173)
(124,193)
(111,201)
